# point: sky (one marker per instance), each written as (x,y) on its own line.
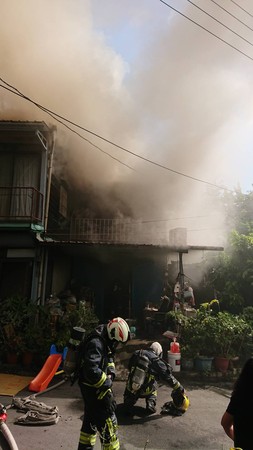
(175,96)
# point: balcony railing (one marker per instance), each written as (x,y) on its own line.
(20,204)
(124,231)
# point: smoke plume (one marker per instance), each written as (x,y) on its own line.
(147,79)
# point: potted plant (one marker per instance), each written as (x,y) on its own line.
(187,357)
(196,336)
(15,314)
(219,336)
(11,343)
(30,343)
(229,334)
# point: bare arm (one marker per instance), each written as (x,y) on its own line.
(227,423)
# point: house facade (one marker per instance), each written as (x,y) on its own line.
(25,151)
(46,249)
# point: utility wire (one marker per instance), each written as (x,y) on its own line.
(174,218)
(208,31)
(55,116)
(218,21)
(239,6)
(232,15)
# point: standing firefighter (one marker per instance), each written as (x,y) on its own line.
(145,368)
(97,373)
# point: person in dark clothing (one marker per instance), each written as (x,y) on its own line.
(238,418)
(97,373)
(166,304)
(142,383)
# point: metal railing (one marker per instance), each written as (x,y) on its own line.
(124,231)
(20,204)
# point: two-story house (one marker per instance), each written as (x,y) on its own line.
(26,150)
(45,247)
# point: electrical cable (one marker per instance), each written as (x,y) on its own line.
(15,91)
(54,116)
(232,15)
(239,6)
(218,21)
(205,29)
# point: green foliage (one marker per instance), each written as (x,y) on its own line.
(247,315)
(194,337)
(231,274)
(79,317)
(222,334)
(26,326)
(177,318)
(15,311)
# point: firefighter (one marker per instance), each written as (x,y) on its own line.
(146,367)
(97,372)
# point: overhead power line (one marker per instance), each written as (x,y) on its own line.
(239,6)
(208,31)
(56,116)
(232,15)
(218,21)
(174,218)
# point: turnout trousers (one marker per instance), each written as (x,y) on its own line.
(97,420)
(148,392)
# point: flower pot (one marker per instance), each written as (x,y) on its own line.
(11,358)
(203,363)
(27,358)
(221,364)
(187,363)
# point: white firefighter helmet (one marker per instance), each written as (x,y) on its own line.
(118,330)
(157,349)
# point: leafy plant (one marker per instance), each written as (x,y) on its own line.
(228,333)
(14,311)
(230,275)
(187,351)
(222,334)
(194,337)
(247,315)
(26,326)
(12,342)
(80,317)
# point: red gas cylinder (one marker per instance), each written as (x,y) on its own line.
(174,346)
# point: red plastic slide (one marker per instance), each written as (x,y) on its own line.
(42,380)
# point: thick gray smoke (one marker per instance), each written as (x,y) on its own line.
(144,77)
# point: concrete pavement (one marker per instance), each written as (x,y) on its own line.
(199,428)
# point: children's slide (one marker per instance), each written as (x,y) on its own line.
(42,380)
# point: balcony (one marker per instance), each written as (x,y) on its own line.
(119,231)
(20,205)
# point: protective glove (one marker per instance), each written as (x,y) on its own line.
(108,402)
(178,387)
(111,374)
(178,395)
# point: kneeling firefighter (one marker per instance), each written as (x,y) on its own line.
(96,374)
(146,367)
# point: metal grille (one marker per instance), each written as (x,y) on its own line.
(20,203)
(122,231)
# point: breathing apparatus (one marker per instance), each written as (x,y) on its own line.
(71,360)
(138,374)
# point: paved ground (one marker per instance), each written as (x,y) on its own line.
(199,428)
